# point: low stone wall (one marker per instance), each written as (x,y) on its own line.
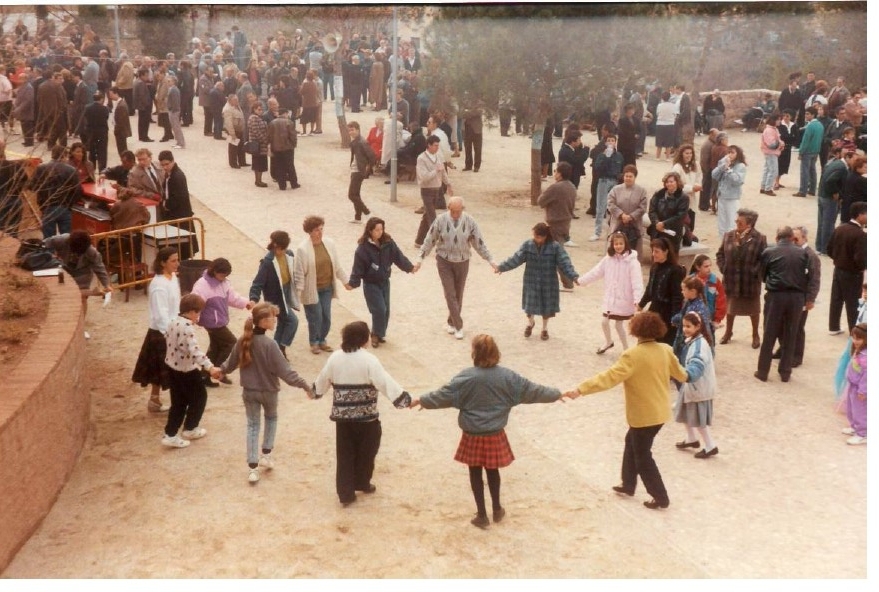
(737,103)
(44,420)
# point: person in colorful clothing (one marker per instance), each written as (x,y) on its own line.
(856,392)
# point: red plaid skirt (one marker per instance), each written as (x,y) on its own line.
(491,452)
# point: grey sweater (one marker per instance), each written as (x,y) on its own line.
(267,366)
(485,397)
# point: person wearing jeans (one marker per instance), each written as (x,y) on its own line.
(375,255)
(608,167)
(771,146)
(810,147)
(829,194)
(316,269)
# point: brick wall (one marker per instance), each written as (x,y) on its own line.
(44,417)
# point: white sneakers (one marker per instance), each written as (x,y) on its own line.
(450,330)
(855,440)
(848,431)
(174,441)
(571,243)
(265,460)
(594,238)
(253,477)
(459,334)
(194,434)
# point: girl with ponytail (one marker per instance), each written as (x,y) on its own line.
(262,366)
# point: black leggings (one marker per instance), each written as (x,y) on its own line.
(494,488)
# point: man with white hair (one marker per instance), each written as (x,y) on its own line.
(454,233)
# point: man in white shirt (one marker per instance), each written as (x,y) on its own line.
(5,97)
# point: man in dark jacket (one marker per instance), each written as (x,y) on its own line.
(362,157)
(786,270)
(121,120)
(217,100)
(848,249)
(96,130)
(57,186)
(175,201)
(143,103)
(52,110)
(829,194)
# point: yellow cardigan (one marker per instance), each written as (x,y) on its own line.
(644,371)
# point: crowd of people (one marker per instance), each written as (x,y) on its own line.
(252,95)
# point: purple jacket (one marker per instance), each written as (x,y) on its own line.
(856,374)
(218,296)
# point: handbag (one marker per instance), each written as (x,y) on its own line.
(251,147)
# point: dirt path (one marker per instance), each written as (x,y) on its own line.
(785,498)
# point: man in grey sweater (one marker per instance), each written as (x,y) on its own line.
(454,233)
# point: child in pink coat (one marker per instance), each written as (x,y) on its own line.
(623,287)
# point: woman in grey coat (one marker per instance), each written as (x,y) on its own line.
(485,394)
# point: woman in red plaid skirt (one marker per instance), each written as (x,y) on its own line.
(485,394)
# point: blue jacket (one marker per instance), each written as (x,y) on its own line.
(268,283)
(372,263)
(608,167)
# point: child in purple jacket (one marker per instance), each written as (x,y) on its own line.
(856,391)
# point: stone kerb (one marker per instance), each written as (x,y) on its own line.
(44,419)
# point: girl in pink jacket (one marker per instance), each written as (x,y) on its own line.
(623,287)
(771,146)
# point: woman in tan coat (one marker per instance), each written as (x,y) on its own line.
(125,83)
(163,84)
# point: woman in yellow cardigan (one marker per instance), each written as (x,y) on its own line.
(644,370)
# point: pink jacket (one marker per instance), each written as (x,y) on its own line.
(769,138)
(623,282)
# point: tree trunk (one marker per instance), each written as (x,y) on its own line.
(536,143)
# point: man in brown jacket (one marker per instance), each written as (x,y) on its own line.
(558,201)
(282,143)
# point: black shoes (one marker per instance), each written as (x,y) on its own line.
(706,453)
(480,521)
(655,505)
(622,490)
(498,515)
(685,444)
(601,350)
(760,378)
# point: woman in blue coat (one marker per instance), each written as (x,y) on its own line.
(274,281)
(542,256)
(376,254)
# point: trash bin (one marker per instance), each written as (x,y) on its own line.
(189,272)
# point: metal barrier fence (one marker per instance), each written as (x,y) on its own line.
(129,252)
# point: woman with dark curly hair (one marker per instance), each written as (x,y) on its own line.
(663,291)
(645,371)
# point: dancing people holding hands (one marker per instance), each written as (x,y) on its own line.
(623,287)
(484,395)
(542,256)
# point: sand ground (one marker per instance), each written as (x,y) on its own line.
(785,498)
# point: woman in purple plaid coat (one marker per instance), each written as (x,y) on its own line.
(485,394)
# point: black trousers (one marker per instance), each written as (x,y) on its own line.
(188,400)
(284,169)
(354,194)
(845,290)
(429,199)
(121,144)
(781,318)
(208,121)
(143,124)
(472,151)
(27,130)
(800,343)
(97,143)
(357,443)
(705,194)
(222,340)
(237,155)
(638,461)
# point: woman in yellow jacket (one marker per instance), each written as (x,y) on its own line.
(644,370)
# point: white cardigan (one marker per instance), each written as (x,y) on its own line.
(304,271)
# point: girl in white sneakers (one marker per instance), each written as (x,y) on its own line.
(262,365)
